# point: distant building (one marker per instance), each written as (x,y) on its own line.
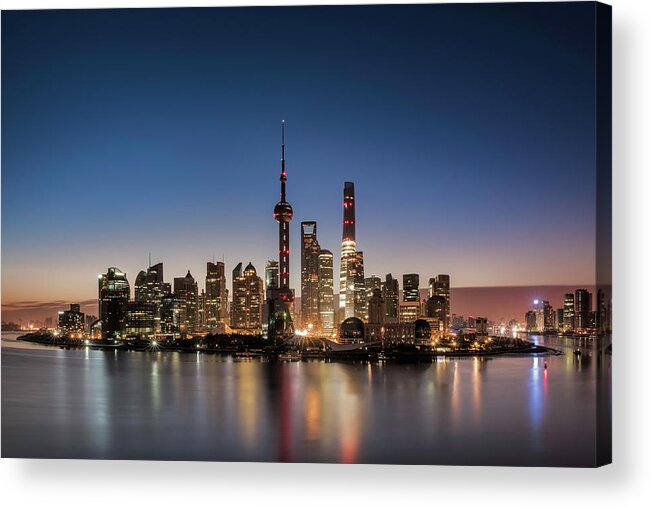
(216,298)
(187,290)
(270,275)
(408,312)
(170,315)
(583,309)
(440,287)
(348,249)
(376,307)
(140,319)
(481,326)
(114,292)
(410,288)
(568,312)
(310,250)
(72,322)
(248,298)
(326,295)
(390,291)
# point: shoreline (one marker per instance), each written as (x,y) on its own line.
(397,353)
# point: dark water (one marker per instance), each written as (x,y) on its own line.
(174,406)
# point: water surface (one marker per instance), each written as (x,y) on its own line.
(183,406)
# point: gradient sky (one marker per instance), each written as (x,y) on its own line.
(467,129)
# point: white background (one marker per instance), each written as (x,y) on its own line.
(626,482)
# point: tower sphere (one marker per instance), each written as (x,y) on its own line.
(283,212)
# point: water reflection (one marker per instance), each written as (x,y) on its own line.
(510,410)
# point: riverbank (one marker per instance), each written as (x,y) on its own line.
(369,353)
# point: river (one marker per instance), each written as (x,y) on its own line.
(184,406)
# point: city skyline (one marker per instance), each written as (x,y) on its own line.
(113,188)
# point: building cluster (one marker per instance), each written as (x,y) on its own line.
(267,306)
(577,315)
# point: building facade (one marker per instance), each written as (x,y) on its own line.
(310,250)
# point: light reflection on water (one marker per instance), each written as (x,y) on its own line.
(156,405)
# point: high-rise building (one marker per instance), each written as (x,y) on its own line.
(248,296)
(410,289)
(391,297)
(440,286)
(326,293)
(348,250)
(356,301)
(150,288)
(187,290)
(72,322)
(408,312)
(568,312)
(114,292)
(216,299)
(309,274)
(583,309)
(170,315)
(280,300)
(140,319)
(437,309)
(376,307)
(271,275)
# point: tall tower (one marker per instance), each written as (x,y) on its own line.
(348,249)
(280,320)
(310,250)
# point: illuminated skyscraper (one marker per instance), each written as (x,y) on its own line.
(326,294)
(440,286)
(72,322)
(391,297)
(216,298)
(281,300)
(309,274)
(583,309)
(187,290)
(150,288)
(348,249)
(114,292)
(568,312)
(248,296)
(271,274)
(410,288)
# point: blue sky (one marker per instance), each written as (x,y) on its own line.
(467,129)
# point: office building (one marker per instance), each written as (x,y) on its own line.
(248,297)
(72,323)
(187,290)
(310,250)
(114,292)
(326,291)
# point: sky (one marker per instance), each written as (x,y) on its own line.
(468,131)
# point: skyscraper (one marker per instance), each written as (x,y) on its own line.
(72,322)
(568,312)
(391,298)
(326,295)
(187,291)
(114,292)
(248,295)
(279,304)
(582,309)
(150,288)
(348,249)
(310,250)
(216,298)
(356,301)
(271,274)
(410,288)
(440,286)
